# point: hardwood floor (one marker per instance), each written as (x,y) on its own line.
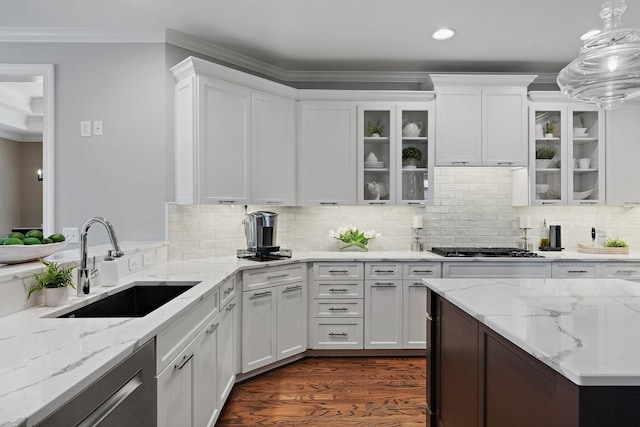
(336,391)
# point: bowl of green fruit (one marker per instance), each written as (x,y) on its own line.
(18,247)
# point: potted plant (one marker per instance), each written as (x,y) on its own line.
(54,280)
(544,155)
(375,130)
(411,155)
(549,130)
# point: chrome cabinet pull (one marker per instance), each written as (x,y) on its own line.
(329,203)
(227,290)
(384,271)
(505,163)
(459,163)
(339,271)
(260,294)
(184,361)
(212,328)
(577,271)
(278,276)
(625,271)
(423,271)
(292,288)
(415,203)
(417,285)
(338,309)
(384,284)
(226,202)
(338,290)
(342,334)
(230,306)
(377,203)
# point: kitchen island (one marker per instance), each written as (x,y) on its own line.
(531,352)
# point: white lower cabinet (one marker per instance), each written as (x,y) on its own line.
(383,314)
(414,307)
(274,319)
(175,393)
(226,357)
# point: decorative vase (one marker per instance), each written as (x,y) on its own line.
(375,135)
(351,247)
(548,135)
(410,163)
(54,297)
(543,163)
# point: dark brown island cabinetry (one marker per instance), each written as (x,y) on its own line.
(477,378)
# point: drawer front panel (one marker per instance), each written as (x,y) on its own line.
(480,269)
(227,291)
(419,270)
(625,270)
(384,270)
(273,276)
(337,333)
(338,270)
(337,289)
(578,269)
(337,307)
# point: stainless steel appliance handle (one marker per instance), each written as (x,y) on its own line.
(115,400)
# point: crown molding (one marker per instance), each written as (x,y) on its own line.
(12,136)
(472,79)
(78,35)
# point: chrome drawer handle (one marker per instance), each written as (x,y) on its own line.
(180,364)
(577,271)
(417,285)
(212,328)
(278,276)
(338,309)
(423,271)
(626,271)
(230,306)
(338,290)
(505,163)
(459,163)
(384,271)
(329,203)
(384,284)
(342,334)
(260,294)
(377,203)
(226,291)
(338,271)
(292,288)
(226,202)
(415,203)
(274,202)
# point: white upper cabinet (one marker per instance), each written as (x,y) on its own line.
(623,152)
(481,120)
(225,118)
(327,163)
(273,150)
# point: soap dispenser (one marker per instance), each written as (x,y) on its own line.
(109,269)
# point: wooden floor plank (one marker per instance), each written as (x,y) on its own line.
(328,392)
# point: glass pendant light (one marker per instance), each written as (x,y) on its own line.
(608,69)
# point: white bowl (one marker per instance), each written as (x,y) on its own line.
(579,132)
(542,188)
(15,254)
(581,195)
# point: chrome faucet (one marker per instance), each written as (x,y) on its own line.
(84,273)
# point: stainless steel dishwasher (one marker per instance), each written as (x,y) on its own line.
(124,396)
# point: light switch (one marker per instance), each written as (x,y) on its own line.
(85,128)
(97,127)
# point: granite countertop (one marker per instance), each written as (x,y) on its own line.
(46,360)
(585,329)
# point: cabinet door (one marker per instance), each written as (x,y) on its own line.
(175,392)
(205,402)
(585,157)
(376,154)
(414,307)
(548,154)
(458,127)
(327,172)
(224,144)
(504,127)
(415,130)
(273,150)
(383,314)
(292,320)
(623,152)
(258,328)
(226,356)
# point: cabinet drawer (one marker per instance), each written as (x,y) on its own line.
(512,269)
(337,289)
(342,270)
(621,270)
(419,270)
(386,270)
(227,291)
(272,276)
(172,340)
(337,307)
(336,333)
(578,269)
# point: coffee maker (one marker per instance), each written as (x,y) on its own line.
(260,229)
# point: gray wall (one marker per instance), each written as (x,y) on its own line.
(30,187)
(9,185)
(122,174)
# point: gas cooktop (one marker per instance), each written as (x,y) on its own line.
(484,252)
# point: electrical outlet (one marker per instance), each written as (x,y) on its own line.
(85,128)
(97,128)
(147,259)
(71,235)
(134,263)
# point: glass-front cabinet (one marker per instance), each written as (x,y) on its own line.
(395,152)
(567,154)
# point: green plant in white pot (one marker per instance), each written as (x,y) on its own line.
(411,156)
(54,281)
(544,156)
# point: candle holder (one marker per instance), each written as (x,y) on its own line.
(525,240)
(417,245)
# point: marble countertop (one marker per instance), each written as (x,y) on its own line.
(586,329)
(46,360)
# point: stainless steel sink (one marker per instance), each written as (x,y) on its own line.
(137,300)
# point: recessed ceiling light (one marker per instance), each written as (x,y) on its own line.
(589,34)
(444,34)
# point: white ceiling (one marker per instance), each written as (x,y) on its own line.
(335,35)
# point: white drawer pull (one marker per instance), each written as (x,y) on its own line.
(292,288)
(341,334)
(338,309)
(278,276)
(260,294)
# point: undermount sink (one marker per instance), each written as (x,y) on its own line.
(137,300)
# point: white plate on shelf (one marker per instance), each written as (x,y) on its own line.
(15,254)
(373,164)
(581,195)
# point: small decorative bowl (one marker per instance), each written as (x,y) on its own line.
(15,254)
(542,188)
(579,132)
